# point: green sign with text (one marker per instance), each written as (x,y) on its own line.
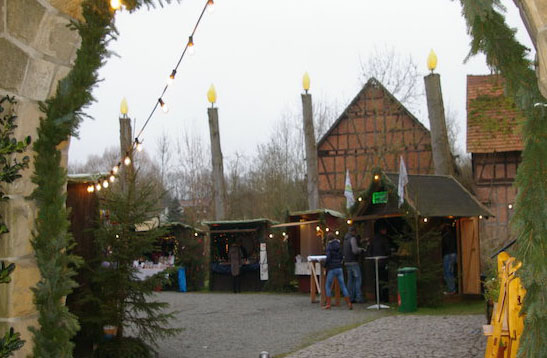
(379,197)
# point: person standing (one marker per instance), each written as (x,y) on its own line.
(450,256)
(379,246)
(352,252)
(235,265)
(333,264)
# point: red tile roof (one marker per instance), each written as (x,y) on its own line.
(493,121)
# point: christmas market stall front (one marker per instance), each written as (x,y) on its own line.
(183,246)
(306,233)
(436,209)
(250,236)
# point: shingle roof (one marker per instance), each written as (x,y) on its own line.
(440,195)
(492,119)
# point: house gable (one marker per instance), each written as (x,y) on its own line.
(372,132)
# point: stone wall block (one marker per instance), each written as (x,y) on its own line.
(20,297)
(21,326)
(38,79)
(72,8)
(62,72)
(2,17)
(56,39)
(19,215)
(13,64)
(24,18)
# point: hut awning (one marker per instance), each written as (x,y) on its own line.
(439,195)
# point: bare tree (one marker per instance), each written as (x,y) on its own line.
(397,72)
(163,153)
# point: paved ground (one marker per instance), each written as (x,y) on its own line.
(405,336)
(240,326)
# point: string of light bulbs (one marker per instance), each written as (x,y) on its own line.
(104,181)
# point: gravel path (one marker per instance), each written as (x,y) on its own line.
(239,326)
(405,336)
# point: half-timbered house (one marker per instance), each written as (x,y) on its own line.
(372,132)
(495,144)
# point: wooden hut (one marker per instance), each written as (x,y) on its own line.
(429,201)
(251,234)
(306,232)
(372,132)
(495,144)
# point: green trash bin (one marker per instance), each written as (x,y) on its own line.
(406,285)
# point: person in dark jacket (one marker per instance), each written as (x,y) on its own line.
(379,246)
(235,255)
(351,261)
(450,257)
(334,267)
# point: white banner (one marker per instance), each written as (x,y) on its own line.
(403,180)
(263,263)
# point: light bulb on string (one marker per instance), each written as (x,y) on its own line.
(115,169)
(191,49)
(112,178)
(171,78)
(210,6)
(138,145)
(105,183)
(98,187)
(91,188)
(127,160)
(115,4)
(163,106)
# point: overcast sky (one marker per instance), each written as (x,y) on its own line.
(256,51)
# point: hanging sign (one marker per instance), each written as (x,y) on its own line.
(379,197)
(263,262)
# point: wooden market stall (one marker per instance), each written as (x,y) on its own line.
(429,202)
(306,232)
(250,234)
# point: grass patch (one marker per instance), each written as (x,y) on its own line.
(453,308)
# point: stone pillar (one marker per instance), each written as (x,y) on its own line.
(36,51)
(442,158)
(311,153)
(219,188)
(534,15)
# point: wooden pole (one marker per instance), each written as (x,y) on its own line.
(219,189)
(311,152)
(442,158)
(126,143)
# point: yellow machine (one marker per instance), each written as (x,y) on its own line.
(507,323)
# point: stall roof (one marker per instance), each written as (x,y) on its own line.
(238,223)
(181,224)
(440,195)
(318,211)
(85,177)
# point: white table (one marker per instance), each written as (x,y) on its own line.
(377,305)
(143,273)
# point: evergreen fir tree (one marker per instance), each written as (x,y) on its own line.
(173,210)
(125,301)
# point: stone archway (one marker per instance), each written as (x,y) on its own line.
(36,51)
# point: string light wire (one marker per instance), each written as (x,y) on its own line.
(137,143)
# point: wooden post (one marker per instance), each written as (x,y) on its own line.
(311,152)
(219,189)
(442,158)
(126,143)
